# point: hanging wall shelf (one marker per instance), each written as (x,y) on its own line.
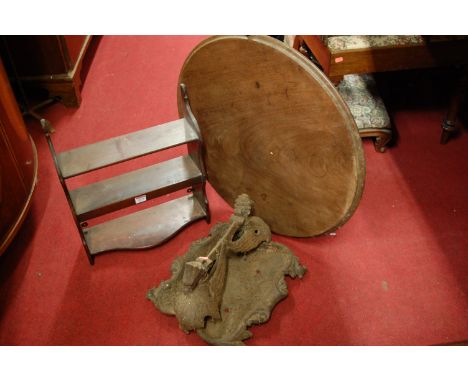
(151,226)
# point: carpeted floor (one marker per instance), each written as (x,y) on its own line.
(395,274)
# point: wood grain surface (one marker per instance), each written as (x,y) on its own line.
(129,146)
(274,127)
(118,192)
(146,228)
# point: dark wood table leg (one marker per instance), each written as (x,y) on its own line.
(449,126)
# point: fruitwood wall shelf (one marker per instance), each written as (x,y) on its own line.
(151,226)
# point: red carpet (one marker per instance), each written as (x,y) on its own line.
(395,274)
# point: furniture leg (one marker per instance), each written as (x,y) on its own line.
(382,137)
(449,127)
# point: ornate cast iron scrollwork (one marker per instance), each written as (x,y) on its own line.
(229,280)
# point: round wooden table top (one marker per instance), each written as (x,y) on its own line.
(274,127)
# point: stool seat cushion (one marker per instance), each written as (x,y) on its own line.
(359,91)
(343,43)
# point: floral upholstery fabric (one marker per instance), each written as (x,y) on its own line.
(359,91)
(340,43)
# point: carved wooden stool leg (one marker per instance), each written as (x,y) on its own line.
(381,142)
(449,126)
(382,137)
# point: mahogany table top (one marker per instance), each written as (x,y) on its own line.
(274,127)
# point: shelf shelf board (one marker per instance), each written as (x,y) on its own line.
(144,229)
(149,182)
(125,147)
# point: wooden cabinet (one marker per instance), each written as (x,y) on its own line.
(52,63)
(18,164)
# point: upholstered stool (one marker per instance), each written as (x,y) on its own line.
(340,44)
(341,55)
(359,91)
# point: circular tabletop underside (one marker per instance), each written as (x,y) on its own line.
(274,127)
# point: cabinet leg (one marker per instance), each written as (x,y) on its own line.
(69,91)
